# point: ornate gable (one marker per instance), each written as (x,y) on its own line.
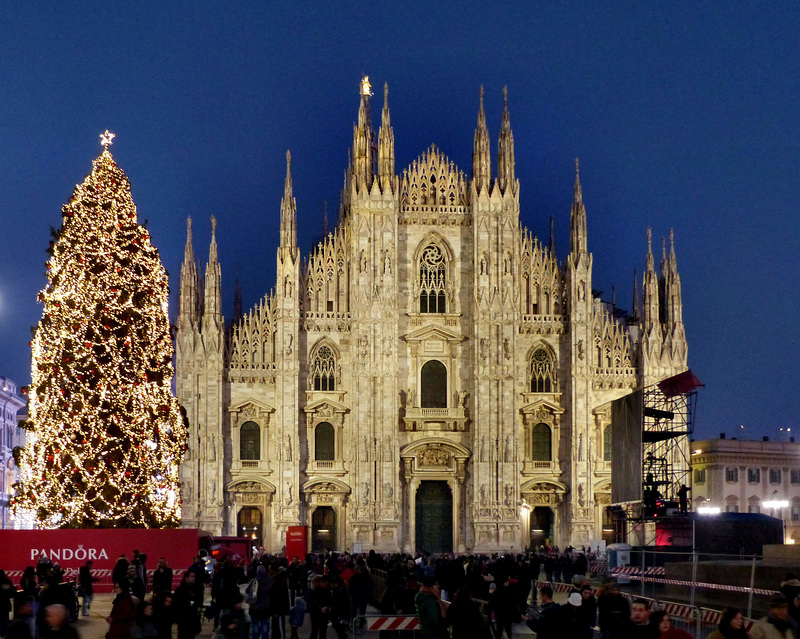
(433,191)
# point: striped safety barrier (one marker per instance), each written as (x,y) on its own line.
(697,584)
(392,623)
(637,570)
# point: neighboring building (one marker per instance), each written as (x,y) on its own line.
(737,475)
(430,377)
(10,436)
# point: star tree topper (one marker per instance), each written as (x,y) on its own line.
(105,139)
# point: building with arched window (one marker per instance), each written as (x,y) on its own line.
(431,376)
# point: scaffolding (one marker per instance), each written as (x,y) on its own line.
(668,410)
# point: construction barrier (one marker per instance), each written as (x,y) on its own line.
(385,626)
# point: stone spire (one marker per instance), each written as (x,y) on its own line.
(213,298)
(577,245)
(364,147)
(673,304)
(187,315)
(288,212)
(635,303)
(505,150)
(650,289)
(552,246)
(481,154)
(386,146)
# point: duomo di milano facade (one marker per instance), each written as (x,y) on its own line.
(430,377)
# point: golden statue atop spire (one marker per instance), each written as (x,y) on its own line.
(366,87)
(105,139)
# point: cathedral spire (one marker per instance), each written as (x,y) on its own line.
(288,211)
(552,245)
(481,158)
(386,146)
(635,299)
(673,303)
(213,299)
(578,218)
(650,288)
(364,147)
(187,315)
(505,150)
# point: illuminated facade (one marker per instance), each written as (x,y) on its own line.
(10,437)
(430,377)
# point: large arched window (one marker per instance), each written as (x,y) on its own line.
(542,371)
(607,443)
(541,443)
(433,378)
(324,442)
(250,441)
(323,371)
(432,280)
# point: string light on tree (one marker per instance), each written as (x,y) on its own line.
(106,436)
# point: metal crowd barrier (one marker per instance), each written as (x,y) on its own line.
(385,627)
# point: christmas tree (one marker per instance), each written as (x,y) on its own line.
(105,434)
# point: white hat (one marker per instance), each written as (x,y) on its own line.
(575,599)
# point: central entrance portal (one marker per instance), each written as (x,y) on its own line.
(323,529)
(541,526)
(434,510)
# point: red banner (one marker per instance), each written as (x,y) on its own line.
(72,548)
(297,542)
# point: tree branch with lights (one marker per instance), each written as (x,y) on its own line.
(105,433)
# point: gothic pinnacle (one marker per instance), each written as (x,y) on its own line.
(578,190)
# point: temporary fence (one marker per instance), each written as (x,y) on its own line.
(103,576)
(385,626)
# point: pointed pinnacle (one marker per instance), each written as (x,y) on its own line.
(385,95)
(672,242)
(213,227)
(505,96)
(189,228)
(663,248)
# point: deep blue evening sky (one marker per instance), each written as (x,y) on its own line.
(684,115)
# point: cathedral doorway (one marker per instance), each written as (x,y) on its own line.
(323,529)
(434,517)
(542,520)
(249,524)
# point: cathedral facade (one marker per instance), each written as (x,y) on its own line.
(430,377)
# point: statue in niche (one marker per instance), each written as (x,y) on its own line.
(288,500)
(483,267)
(484,498)
(484,348)
(580,447)
(364,493)
(388,454)
(507,348)
(387,264)
(411,395)
(289,345)
(580,349)
(462,398)
(580,495)
(287,287)
(288,448)
(212,491)
(363,261)
(388,491)
(212,454)
(509,491)
(363,345)
(582,291)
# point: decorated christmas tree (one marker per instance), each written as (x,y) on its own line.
(105,434)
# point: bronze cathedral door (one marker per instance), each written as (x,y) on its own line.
(434,517)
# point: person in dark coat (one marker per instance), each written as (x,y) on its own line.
(588,612)
(120,570)
(279,599)
(360,590)
(137,585)
(162,577)
(187,601)
(7,592)
(547,625)
(464,617)
(86,584)
(224,590)
(144,626)
(164,614)
(260,613)
(122,612)
(340,607)
(318,602)
(614,612)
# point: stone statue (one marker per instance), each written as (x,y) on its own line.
(212,491)
(484,498)
(288,500)
(388,491)
(364,492)
(507,348)
(289,345)
(580,447)
(411,396)
(288,291)
(509,455)
(212,451)
(484,348)
(509,490)
(288,448)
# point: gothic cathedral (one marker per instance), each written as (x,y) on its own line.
(430,377)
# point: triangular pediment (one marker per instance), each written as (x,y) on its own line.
(549,406)
(434,332)
(251,406)
(326,406)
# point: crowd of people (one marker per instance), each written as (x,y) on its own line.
(460,597)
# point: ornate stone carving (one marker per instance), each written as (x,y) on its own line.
(433,455)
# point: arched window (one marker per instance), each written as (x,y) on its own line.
(542,371)
(433,380)
(250,441)
(432,280)
(607,443)
(323,371)
(541,443)
(324,442)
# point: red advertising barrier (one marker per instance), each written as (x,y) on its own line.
(297,542)
(72,548)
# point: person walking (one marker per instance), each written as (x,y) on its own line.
(122,612)
(86,585)
(162,578)
(429,610)
(318,601)
(613,612)
(260,615)
(547,625)
(464,618)
(187,601)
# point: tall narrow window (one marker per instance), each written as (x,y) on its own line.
(323,371)
(541,443)
(250,441)
(607,443)
(433,379)
(324,442)
(432,280)
(542,371)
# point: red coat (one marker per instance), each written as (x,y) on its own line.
(122,615)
